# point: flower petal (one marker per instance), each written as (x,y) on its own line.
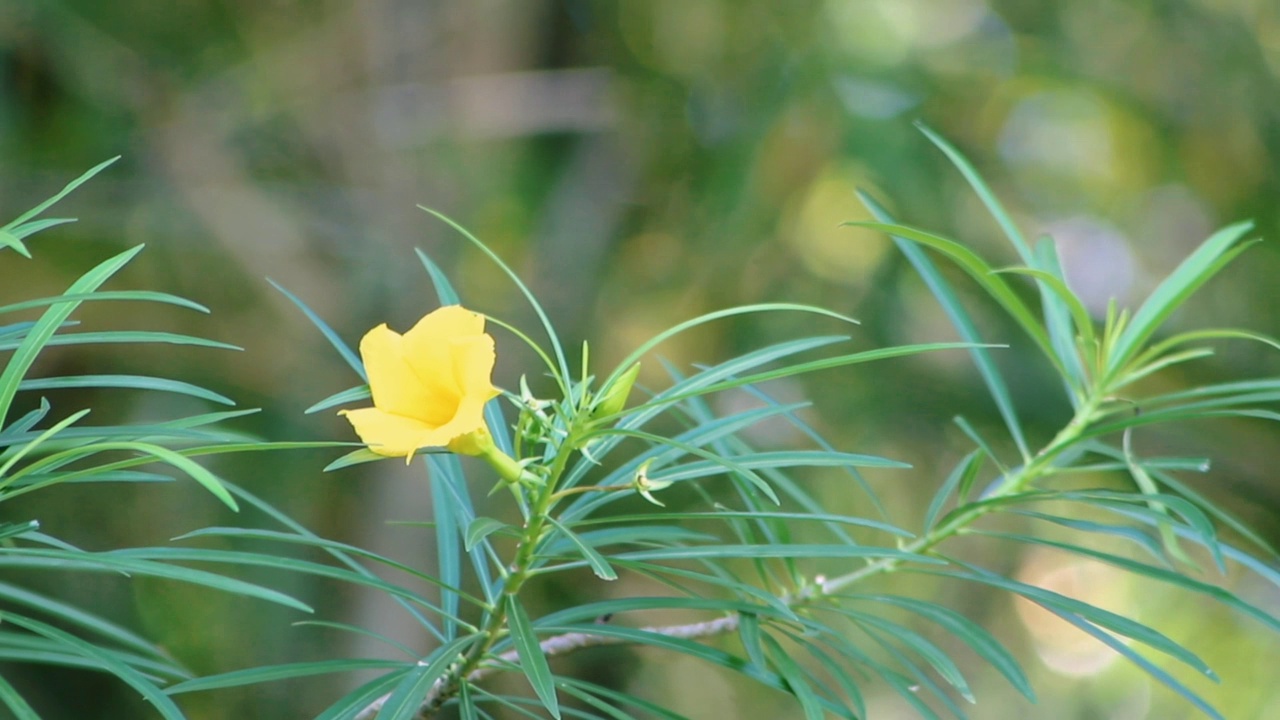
(447,322)
(469,419)
(429,350)
(391,435)
(473,360)
(396,388)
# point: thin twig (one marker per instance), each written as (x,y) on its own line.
(447,685)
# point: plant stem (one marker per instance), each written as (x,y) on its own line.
(1012,483)
(494,628)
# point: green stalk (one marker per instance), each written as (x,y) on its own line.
(495,624)
(1013,483)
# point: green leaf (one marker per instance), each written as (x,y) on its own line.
(41,333)
(842,676)
(354,703)
(532,660)
(774,551)
(1177,579)
(8,239)
(1150,668)
(931,653)
(1228,519)
(106,660)
(685,448)
(620,698)
(816,365)
(137,382)
(608,711)
(957,482)
(644,535)
(1135,535)
(139,295)
(765,514)
(27,421)
(410,692)
(13,530)
(986,277)
(481,528)
(466,704)
(12,700)
(1065,317)
(310,540)
(963,324)
(644,348)
(451,481)
(981,442)
(362,632)
(1057,301)
(114,562)
(599,565)
(775,459)
(63,193)
(349,395)
(790,488)
(796,679)
(192,469)
(449,527)
(1164,346)
(343,349)
(1191,273)
(5,478)
(981,189)
(71,615)
(703,433)
(1111,621)
(342,557)
(636,417)
(32,227)
(444,289)
(972,634)
(750,635)
(1148,487)
(649,638)
(129,337)
(355,457)
(274,673)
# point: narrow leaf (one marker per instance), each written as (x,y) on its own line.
(481,528)
(41,333)
(343,349)
(106,660)
(963,324)
(599,565)
(1190,274)
(796,678)
(532,660)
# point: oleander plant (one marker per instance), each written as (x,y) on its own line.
(690,536)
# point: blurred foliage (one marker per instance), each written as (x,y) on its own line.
(638,161)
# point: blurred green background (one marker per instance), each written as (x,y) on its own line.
(637,162)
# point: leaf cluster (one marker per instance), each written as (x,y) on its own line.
(38,452)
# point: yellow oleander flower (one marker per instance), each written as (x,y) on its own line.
(429,385)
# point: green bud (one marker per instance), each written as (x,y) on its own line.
(614,397)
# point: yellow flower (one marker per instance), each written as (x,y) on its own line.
(429,385)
